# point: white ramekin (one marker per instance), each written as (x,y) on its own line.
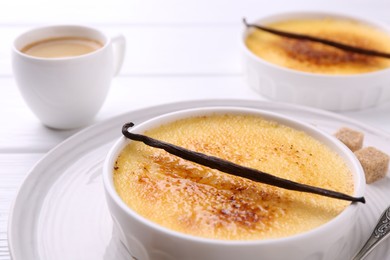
(147,240)
(330,92)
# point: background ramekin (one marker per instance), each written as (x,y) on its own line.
(147,240)
(330,92)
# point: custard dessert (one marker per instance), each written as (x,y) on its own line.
(199,201)
(308,56)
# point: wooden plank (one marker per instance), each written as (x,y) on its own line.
(163,50)
(22,131)
(14,168)
(170,11)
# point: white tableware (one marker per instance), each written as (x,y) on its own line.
(67,92)
(140,234)
(379,235)
(60,210)
(331,92)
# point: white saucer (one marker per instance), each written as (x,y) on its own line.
(60,211)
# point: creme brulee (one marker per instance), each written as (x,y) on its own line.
(318,58)
(196,200)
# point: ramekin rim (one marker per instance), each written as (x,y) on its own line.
(122,141)
(349,16)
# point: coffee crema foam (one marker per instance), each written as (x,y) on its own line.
(61,47)
(316,57)
(196,200)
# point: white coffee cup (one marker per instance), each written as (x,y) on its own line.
(66,93)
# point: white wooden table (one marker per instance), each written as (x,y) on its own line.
(177,51)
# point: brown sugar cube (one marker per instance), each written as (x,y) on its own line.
(351,138)
(375,163)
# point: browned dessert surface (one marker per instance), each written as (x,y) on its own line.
(315,57)
(196,200)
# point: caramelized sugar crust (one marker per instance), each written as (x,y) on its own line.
(316,57)
(197,200)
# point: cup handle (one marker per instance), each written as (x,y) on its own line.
(119,48)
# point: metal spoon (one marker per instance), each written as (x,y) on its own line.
(381,231)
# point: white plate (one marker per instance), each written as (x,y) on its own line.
(60,211)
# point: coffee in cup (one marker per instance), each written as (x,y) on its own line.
(64,72)
(61,47)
